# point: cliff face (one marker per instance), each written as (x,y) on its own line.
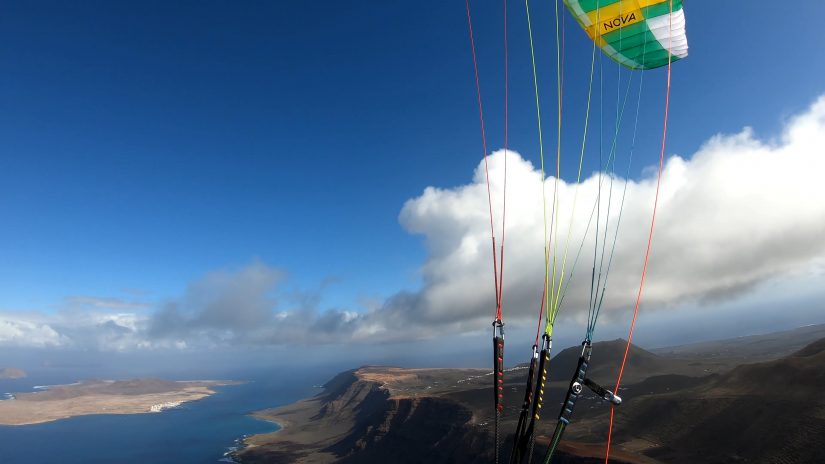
(411,430)
(766,412)
(359,418)
(381,415)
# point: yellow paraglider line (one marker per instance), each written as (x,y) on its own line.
(541,152)
(555,224)
(557,296)
(554,299)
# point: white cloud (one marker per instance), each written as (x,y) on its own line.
(244,306)
(739,211)
(21,330)
(76,328)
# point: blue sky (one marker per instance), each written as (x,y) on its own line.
(147,144)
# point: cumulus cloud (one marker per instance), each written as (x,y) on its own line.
(24,330)
(246,306)
(74,328)
(235,302)
(738,212)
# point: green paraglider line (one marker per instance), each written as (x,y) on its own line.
(649,243)
(598,288)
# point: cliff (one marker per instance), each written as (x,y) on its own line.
(386,414)
(376,415)
(677,408)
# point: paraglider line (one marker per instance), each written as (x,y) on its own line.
(649,237)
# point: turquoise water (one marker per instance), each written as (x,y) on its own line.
(197,432)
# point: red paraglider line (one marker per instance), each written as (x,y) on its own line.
(484,146)
(500,289)
(649,241)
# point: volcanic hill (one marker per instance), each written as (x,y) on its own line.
(680,406)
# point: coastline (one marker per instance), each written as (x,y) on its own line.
(281,423)
(249,442)
(245,443)
(368,410)
(203,432)
(59,402)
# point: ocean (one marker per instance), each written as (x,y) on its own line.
(202,431)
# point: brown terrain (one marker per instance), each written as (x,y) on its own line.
(689,404)
(12,373)
(102,397)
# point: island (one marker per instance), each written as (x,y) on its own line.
(134,396)
(12,373)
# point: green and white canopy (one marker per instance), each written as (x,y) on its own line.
(634,33)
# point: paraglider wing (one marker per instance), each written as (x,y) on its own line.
(634,33)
